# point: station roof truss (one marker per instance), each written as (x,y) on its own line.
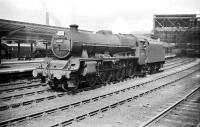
(177,28)
(177,20)
(23,31)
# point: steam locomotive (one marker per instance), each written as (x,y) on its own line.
(90,58)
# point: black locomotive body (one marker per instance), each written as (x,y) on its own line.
(102,57)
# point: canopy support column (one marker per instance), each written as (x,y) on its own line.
(0,50)
(18,51)
(31,50)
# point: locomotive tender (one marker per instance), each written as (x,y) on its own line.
(90,58)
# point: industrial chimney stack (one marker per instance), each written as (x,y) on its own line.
(47,18)
(74,27)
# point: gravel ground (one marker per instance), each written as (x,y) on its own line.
(135,113)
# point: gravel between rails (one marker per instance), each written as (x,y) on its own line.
(184,112)
(137,112)
(78,113)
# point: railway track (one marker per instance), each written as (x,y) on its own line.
(21,85)
(177,63)
(173,60)
(30,96)
(18,82)
(36,82)
(87,101)
(185,112)
(12,83)
(7,77)
(15,99)
(169,63)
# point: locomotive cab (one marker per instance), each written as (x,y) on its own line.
(143,46)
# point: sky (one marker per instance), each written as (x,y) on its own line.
(120,16)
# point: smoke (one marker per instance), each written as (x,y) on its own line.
(120,25)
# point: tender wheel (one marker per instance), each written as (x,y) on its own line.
(158,68)
(52,84)
(151,69)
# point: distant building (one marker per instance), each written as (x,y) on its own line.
(178,28)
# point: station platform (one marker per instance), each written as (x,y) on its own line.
(16,61)
(16,66)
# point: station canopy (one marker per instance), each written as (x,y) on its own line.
(23,31)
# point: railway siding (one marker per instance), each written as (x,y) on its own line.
(185,112)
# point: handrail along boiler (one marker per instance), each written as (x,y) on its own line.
(91,58)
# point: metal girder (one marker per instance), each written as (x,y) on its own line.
(184,22)
(176,20)
(173,17)
(159,23)
(16,30)
(17,38)
(165,21)
(173,24)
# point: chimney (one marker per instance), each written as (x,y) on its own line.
(47,18)
(74,28)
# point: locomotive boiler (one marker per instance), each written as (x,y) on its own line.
(84,58)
